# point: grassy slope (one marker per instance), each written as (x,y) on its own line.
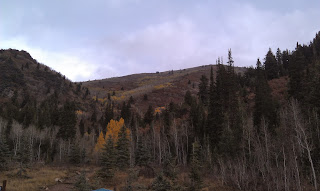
(161,88)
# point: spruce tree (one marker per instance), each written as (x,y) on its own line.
(75,154)
(142,154)
(122,147)
(68,120)
(160,183)
(108,114)
(215,114)
(81,127)
(203,89)
(108,159)
(271,66)
(188,98)
(149,115)
(4,153)
(195,172)
(82,184)
(264,106)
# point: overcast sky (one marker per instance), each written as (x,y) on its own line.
(94,39)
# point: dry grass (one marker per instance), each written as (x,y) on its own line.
(37,178)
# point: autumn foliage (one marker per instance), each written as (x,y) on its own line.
(113,129)
(100,142)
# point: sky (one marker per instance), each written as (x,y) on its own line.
(96,39)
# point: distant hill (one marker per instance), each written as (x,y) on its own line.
(161,88)
(28,87)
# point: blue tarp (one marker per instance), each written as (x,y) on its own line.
(102,189)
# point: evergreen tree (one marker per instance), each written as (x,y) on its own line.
(125,112)
(131,100)
(83,155)
(195,173)
(271,66)
(188,98)
(75,154)
(296,74)
(142,154)
(25,153)
(198,119)
(108,160)
(280,66)
(215,114)
(4,153)
(68,120)
(145,97)
(264,106)
(203,89)
(81,127)
(149,115)
(82,184)
(108,114)
(169,167)
(160,184)
(122,147)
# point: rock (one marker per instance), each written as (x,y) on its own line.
(78,173)
(57,179)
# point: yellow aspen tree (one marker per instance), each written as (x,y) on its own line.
(113,129)
(100,142)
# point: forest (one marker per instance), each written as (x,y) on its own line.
(232,128)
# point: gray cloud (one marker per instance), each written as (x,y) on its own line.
(104,38)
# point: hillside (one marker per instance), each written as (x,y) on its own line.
(161,88)
(30,92)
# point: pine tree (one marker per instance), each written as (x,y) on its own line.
(4,153)
(188,98)
(215,114)
(279,59)
(271,66)
(75,154)
(169,167)
(149,115)
(81,127)
(83,155)
(195,173)
(68,120)
(82,184)
(125,112)
(25,153)
(122,147)
(198,119)
(296,74)
(264,106)
(160,183)
(203,89)
(108,114)
(108,159)
(142,154)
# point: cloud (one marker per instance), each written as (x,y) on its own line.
(74,67)
(100,39)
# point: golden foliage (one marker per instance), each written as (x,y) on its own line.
(118,98)
(113,129)
(100,143)
(159,110)
(161,86)
(79,112)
